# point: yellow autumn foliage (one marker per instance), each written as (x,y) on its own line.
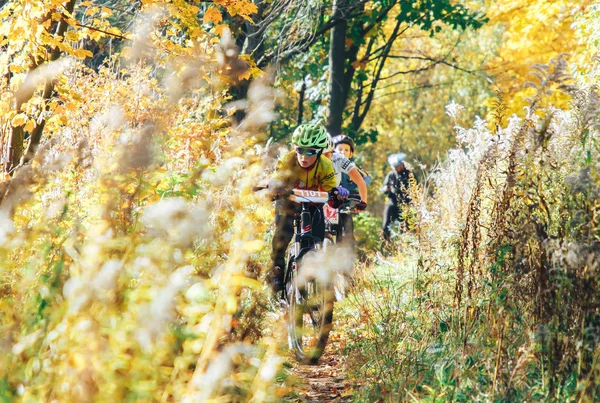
(129,243)
(534,32)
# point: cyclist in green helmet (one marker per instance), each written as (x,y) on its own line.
(302,168)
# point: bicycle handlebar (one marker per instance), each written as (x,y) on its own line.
(281,194)
(348,205)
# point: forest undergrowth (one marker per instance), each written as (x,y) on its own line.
(493,295)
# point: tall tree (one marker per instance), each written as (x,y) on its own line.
(337,58)
(370,39)
(352,40)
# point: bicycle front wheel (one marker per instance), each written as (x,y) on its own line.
(310,316)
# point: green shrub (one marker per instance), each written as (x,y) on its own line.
(367,232)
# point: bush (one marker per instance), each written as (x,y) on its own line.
(126,243)
(367,231)
(503,301)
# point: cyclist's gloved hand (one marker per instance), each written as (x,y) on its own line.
(341,192)
(337,195)
(361,206)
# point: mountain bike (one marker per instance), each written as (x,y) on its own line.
(308,291)
(332,235)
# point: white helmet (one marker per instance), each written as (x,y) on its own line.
(396,159)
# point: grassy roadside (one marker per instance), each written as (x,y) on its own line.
(495,296)
(405,342)
(396,328)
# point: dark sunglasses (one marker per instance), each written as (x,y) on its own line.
(309,152)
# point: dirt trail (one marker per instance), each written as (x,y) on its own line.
(325,381)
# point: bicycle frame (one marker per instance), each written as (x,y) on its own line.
(347,208)
(304,241)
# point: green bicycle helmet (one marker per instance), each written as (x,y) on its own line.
(310,136)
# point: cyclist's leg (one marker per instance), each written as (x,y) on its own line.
(284,231)
(389,216)
(341,228)
(348,230)
(338,230)
(347,268)
(395,216)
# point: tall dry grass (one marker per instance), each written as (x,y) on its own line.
(131,247)
(500,296)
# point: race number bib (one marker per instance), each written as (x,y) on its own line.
(331,214)
(309,196)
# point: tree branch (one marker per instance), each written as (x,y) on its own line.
(380,18)
(359,116)
(305,44)
(410,89)
(120,9)
(103,31)
(404,72)
(301,103)
(320,32)
(431,59)
(359,92)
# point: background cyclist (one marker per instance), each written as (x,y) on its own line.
(345,146)
(396,188)
(343,166)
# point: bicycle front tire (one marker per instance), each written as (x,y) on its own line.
(310,315)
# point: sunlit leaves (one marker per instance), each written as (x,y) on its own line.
(243,8)
(536,31)
(19,119)
(426,13)
(212,15)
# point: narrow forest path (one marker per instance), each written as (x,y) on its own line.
(325,381)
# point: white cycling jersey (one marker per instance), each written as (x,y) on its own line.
(341,165)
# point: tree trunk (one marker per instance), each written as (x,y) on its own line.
(251,43)
(301,103)
(15,151)
(360,115)
(337,60)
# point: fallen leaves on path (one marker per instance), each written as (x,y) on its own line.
(325,381)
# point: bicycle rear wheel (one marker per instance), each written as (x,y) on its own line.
(310,316)
(338,279)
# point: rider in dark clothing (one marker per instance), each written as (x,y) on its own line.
(396,188)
